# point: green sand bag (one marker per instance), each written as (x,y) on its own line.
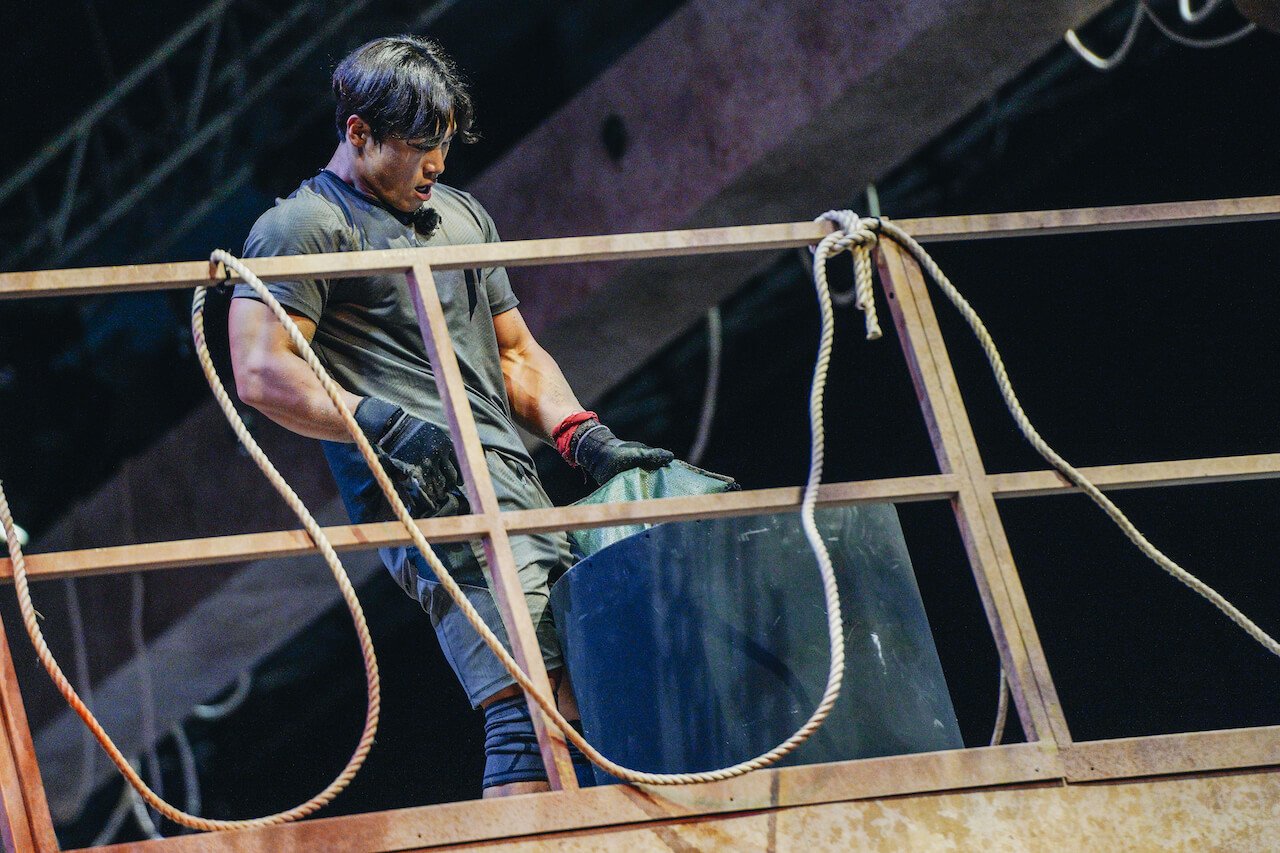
(679,479)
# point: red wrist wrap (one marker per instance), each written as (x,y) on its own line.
(562,435)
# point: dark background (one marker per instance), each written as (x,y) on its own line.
(1124,347)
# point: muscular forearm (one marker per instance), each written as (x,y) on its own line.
(540,396)
(300,402)
(287,392)
(543,403)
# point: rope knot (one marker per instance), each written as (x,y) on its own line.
(857,235)
(225,284)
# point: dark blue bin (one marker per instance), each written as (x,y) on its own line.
(696,645)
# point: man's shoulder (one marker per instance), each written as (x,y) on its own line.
(303,208)
(456,196)
(447,196)
(305,220)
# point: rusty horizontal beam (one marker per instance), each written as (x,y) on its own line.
(1141,475)
(614,805)
(1162,755)
(961,771)
(78,282)
(291,543)
(1083,220)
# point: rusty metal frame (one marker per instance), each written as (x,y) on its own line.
(1049,756)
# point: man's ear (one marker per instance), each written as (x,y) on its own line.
(358,132)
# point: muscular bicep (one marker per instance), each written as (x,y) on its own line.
(260,344)
(275,380)
(513,335)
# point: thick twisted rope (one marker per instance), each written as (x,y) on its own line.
(834,623)
(1002,711)
(331,558)
(850,226)
(858,237)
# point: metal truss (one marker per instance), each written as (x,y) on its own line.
(169,125)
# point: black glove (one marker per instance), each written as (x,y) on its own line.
(604,455)
(417,456)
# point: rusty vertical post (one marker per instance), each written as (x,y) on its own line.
(504,572)
(980,527)
(25,822)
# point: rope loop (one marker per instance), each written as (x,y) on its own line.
(835,625)
(225,265)
(372,682)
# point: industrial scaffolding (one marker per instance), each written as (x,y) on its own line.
(1049,771)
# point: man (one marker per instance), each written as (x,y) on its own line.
(400,104)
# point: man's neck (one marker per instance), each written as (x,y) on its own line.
(342,164)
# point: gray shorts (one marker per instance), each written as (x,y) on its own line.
(541,558)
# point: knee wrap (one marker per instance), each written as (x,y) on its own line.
(511,747)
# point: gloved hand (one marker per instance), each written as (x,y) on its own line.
(417,456)
(603,455)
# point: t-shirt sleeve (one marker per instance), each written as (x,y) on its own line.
(496,284)
(295,227)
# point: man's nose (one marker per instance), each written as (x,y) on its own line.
(433,164)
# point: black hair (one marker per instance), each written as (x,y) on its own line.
(404,87)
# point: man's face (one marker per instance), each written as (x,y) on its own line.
(399,172)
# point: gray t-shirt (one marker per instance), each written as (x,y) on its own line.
(367,333)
